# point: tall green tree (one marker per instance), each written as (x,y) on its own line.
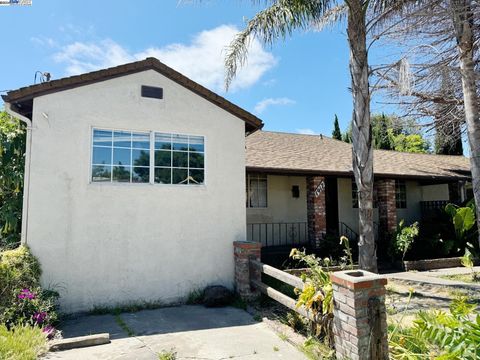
(279,20)
(381,136)
(336,134)
(12,151)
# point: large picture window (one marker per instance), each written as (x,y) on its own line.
(124,156)
(179,159)
(256,191)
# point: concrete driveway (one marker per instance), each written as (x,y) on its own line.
(193,332)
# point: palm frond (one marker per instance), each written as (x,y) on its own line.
(334,16)
(277,21)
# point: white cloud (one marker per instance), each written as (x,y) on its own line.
(306,131)
(265,103)
(43,41)
(200,60)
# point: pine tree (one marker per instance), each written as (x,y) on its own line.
(336,134)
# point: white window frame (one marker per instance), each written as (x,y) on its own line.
(152,159)
(264,176)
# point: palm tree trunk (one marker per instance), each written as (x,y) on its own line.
(462,17)
(362,149)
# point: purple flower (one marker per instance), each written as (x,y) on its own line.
(26,294)
(49,331)
(39,317)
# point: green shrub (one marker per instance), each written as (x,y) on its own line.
(403,239)
(19,269)
(12,149)
(22,300)
(439,335)
(22,342)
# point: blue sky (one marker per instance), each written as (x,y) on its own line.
(297,85)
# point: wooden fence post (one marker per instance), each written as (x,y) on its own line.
(244,251)
(360,320)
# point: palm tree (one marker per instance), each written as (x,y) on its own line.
(281,19)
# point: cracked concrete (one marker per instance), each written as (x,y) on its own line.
(193,332)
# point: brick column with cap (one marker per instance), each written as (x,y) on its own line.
(244,251)
(316,214)
(359,315)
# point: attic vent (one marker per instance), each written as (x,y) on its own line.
(152,92)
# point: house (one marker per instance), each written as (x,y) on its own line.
(135,182)
(301,188)
(134,186)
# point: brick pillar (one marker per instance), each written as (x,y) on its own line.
(454,192)
(244,251)
(316,214)
(359,315)
(387,209)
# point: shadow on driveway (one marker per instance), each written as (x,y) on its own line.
(193,332)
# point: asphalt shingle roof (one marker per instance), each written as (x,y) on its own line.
(297,153)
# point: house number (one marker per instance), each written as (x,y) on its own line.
(320,188)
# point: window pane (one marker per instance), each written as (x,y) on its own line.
(102,155)
(121,173)
(180,176)
(101,173)
(180,142)
(180,159)
(122,138)
(196,160)
(163,141)
(102,137)
(198,177)
(121,156)
(163,176)
(196,143)
(141,157)
(141,175)
(141,140)
(163,158)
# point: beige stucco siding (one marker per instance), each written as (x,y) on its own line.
(435,192)
(103,244)
(281,205)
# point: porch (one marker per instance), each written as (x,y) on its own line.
(286,211)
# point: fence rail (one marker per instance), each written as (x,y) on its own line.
(275,294)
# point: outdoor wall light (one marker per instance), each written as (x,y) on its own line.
(295,191)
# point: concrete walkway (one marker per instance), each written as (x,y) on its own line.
(193,332)
(432,277)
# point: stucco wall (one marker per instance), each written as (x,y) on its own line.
(281,205)
(435,192)
(103,244)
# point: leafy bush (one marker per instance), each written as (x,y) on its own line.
(21,342)
(463,218)
(403,239)
(317,293)
(22,300)
(12,150)
(439,334)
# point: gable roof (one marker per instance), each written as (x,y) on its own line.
(287,153)
(22,98)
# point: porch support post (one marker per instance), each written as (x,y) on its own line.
(316,214)
(387,210)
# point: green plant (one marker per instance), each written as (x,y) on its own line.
(167,355)
(315,349)
(22,342)
(124,325)
(404,238)
(317,293)
(195,297)
(439,334)
(275,348)
(348,257)
(463,218)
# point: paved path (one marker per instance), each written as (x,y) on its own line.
(432,278)
(193,332)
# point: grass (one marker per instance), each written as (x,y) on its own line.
(239,303)
(275,348)
(22,343)
(130,308)
(466,278)
(315,349)
(124,325)
(195,297)
(167,355)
